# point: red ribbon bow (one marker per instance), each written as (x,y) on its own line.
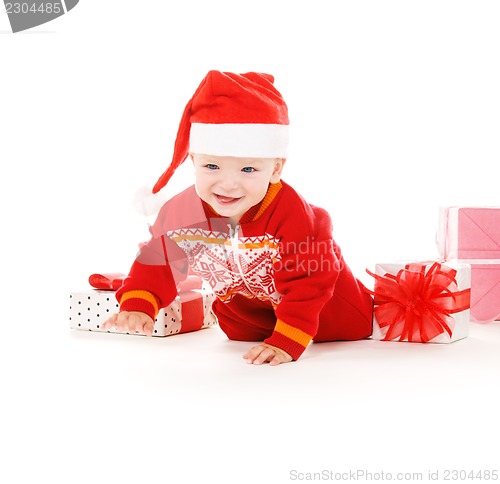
(109,281)
(417,303)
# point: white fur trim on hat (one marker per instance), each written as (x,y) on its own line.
(246,140)
(146,203)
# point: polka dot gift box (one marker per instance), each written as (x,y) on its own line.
(191,310)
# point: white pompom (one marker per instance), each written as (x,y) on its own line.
(148,203)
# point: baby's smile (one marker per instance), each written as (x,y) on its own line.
(223,200)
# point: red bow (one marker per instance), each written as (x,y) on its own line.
(110,281)
(416,304)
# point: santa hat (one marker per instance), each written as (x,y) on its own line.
(230,114)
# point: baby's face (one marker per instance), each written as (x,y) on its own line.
(233,185)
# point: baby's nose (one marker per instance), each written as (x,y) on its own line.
(229,182)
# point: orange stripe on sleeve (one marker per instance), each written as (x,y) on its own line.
(294,334)
(146,295)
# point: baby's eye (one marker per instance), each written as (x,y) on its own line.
(248,169)
(211,166)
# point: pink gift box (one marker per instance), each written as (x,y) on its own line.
(469,233)
(485,290)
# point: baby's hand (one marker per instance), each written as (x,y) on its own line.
(264,353)
(130,322)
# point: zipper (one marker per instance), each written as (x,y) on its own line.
(234,239)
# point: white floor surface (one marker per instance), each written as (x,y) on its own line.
(97,407)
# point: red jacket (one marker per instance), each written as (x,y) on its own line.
(281,256)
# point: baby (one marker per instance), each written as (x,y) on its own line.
(268,255)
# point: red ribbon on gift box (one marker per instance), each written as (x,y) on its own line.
(191,304)
(416,304)
(109,281)
(192,311)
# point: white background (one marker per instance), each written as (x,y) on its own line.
(394,109)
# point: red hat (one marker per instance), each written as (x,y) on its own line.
(230,114)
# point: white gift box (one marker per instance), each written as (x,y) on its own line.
(190,311)
(458,322)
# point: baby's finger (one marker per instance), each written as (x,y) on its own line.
(281,356)
(122,322)
(110,323)
(148,328)
(252,353)
(258,354)
(139,323)
(267,354)
(134,324)
(277,360)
